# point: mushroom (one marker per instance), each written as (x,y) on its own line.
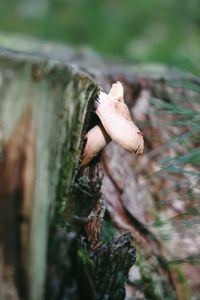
(116,124)
(97,139)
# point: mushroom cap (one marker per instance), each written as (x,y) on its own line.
(117,91)
(117,121)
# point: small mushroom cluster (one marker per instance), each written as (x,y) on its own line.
(116,124)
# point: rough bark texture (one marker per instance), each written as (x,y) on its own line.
(109,260)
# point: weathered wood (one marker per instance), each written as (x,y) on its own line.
(45,195)
(42,108)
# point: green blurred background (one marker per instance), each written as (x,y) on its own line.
(165,31)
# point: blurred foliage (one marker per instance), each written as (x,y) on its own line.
(182,169)
(140,30)
(185,115)
(179,166)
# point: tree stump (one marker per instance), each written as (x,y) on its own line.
(51,209)
(45,109)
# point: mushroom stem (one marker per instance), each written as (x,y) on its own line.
(97,139)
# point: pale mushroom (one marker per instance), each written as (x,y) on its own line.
(117,121)
(116,124)
(117,91)
(97,139)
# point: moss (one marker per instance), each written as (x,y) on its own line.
(108,231)
(78,94)
(68,164)
(85,258)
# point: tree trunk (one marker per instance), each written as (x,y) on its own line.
(42,108)
(43,190)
